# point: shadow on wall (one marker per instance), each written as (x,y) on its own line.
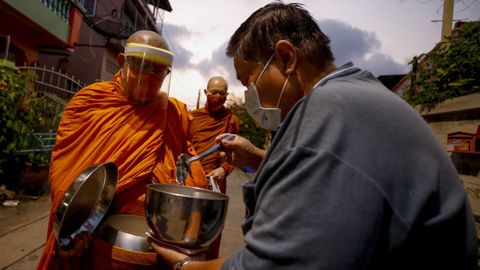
(466,163)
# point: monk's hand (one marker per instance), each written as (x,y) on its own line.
(218,174)
(240,152)
(81,243)
(168,256)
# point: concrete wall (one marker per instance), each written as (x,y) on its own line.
(442,129)
(459,114)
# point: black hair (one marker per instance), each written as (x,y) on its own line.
(256,37)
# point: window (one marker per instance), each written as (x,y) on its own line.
(90,6)
(112,67)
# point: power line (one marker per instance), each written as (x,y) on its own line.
(466,5)
(455,20)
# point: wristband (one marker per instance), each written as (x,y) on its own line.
(182,263)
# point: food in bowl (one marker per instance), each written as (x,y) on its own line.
(183,216)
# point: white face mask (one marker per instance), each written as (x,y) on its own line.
(267,118)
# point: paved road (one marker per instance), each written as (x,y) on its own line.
(23,228)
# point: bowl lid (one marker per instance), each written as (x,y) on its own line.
(85,202)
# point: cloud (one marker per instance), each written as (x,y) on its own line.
(219,65)
(175,34)
(362,47)
(348,44)
(381,64)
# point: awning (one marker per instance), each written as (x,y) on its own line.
(163,4)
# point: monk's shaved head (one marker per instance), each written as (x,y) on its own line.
(148,38)
(141,76)
(217,83)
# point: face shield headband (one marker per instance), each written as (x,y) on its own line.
(150,53)
(146,73)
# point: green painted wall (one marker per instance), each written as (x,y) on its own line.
(43,16)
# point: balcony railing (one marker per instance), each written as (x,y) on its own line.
(60,18)
(59,7)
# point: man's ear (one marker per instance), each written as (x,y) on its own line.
(286,52)
(121,59)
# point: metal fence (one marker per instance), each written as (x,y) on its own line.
(40,142)
(58,88)
(50,81)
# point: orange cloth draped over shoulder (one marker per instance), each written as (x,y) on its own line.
(204,129)
(100,125)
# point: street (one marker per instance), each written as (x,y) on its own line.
(23,228)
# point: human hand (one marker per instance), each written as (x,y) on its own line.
(168,256)
(81,243)
(218,174)
(240,152)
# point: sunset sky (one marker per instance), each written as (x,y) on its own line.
(378,35)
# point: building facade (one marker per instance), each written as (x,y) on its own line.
(104,29)
(30,27)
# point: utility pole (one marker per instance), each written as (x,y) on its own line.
(198,99)
(447,19)
(7,46)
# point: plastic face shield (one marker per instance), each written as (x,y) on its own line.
(146,73)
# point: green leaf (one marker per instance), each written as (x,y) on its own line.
(451,70)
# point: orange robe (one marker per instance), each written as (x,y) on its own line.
(100,125)
(204,129)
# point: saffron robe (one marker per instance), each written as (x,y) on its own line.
(101,125)
(205,127)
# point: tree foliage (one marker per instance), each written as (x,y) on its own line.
(21,111)
(248,128)
(450,70)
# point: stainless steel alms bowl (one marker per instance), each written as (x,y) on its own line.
(185,217)
(125,231)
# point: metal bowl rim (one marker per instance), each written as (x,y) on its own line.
(220,196)
(111,170)
(108,229)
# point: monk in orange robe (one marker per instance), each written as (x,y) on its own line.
(130,122)
(208,122)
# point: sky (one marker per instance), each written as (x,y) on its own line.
(381,36)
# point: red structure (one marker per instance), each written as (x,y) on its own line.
(463,142)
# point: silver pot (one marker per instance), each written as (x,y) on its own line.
(85,202)
(184,216)
(125,231)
